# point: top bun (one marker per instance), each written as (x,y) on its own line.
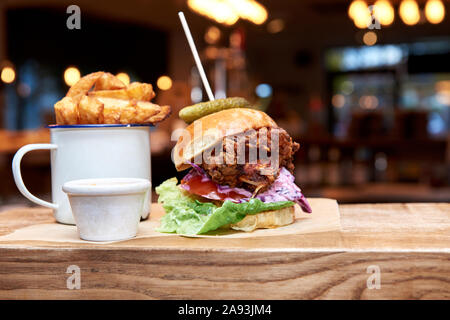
(211,129)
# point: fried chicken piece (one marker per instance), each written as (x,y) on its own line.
(252,176)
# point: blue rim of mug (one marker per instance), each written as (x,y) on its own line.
(55,126)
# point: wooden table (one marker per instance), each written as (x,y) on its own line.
(409,244)
(11,141)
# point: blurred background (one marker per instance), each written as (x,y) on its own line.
(363,86)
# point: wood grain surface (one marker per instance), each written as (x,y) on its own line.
(409,243)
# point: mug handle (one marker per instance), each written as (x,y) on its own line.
(18,175)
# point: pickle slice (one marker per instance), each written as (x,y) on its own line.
(192,113)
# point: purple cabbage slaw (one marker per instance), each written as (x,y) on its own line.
(283,189)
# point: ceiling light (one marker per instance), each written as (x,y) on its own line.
(409,12)
(249,10)
(216,10)
(434,11)
(383,12)
(360,13)
(356,7)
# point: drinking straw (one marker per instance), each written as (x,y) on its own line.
(195,54)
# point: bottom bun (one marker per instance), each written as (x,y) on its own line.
(265,220)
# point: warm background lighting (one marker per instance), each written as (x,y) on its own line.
(212,35)
(409,12)
(356,7)
(383,12)
(211,52)
(214,9)
(229,11)
(363,20)
(338,100)
(370,38)
(125,78)
(249,10)
(71,76)
(275,26)
(368,102)
(164,83)
(434,11)
(360,13)
(8,75)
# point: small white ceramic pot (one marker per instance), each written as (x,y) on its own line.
(107,209)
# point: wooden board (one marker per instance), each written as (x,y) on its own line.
(408,243)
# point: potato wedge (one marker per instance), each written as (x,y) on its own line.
(136,90)
(108,82)
(128,114)
(140,91)
(101,97)
(162,115)
(66,111)
(115,94)
(145,110)
(82,87)
(90,111)
(112,109)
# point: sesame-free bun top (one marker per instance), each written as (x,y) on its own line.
(207,131)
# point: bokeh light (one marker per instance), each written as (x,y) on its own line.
(263,90)
(217,10)
(212,35)
(360,13)
(368,102)
(338,100)
(383,12)
(275,26)
(356,7)
(250,10)
(164,83)
(434,11)
(71,76)
(370,38)
(409,12)
(8,75)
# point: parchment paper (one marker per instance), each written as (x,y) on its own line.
(325,217)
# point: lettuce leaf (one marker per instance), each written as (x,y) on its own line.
(187,215)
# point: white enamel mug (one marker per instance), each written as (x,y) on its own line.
(90,151)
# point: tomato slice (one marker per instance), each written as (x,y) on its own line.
(207,188)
